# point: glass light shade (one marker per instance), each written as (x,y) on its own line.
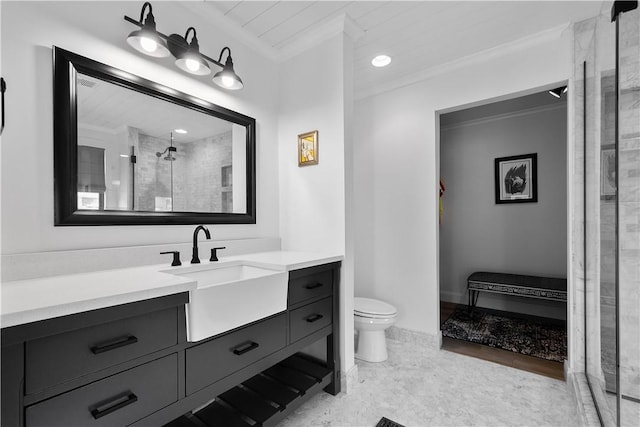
(227,77)
(193,63)
(148,42)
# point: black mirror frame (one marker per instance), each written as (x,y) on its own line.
(65,67)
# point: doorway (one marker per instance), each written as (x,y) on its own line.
(480,232)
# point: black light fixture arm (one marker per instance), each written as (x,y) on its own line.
(149,15)
(193,37)
(222,53)
(166,38)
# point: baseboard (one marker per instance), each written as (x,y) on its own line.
(454,297)
(578,388)
(414,337)
(349,379)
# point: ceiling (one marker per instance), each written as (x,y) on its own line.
(111,108)
(418,35)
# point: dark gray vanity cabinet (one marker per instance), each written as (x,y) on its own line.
(233,352)
(111,366)
(132,365)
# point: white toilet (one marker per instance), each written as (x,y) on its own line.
(371,318)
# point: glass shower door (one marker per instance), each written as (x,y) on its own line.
(628,175)
(610,108)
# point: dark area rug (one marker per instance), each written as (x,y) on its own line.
(385,422)
(530,335)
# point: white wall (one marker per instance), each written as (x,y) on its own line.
(97,30)
(312,197)
(476,234)
(315,94)
(396,171)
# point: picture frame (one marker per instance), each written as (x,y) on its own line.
(607,172)
(308,148)
(516,179)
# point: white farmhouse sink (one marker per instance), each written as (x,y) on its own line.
(231,295)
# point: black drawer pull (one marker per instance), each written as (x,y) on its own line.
(314,286)
(114,405)
(244,348)
(112,345)
(314,318)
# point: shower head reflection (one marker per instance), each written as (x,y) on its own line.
(169,157)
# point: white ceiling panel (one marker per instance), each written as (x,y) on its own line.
(357,9)
(418,35)
(226,6)
(314,15)
(246,12)
(277,16)
(386,13)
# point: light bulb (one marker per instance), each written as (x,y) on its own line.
(381,61)
(192,64)
(148,44)
(227,81)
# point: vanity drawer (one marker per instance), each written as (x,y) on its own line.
(118,400)
(311,286)
(215,359)
(310,318)
(59,358)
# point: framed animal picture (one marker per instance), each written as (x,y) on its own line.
(517,179)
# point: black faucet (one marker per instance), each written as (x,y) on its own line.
(194,257)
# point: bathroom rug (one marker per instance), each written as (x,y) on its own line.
(534,336)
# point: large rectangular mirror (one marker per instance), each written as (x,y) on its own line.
(131,151)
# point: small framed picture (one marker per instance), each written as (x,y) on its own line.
(308,148)
(517,179)
(608,172)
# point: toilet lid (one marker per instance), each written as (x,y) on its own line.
(369,306)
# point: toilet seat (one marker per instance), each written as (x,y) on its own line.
(373,308)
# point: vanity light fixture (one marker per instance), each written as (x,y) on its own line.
(147,40)
(381,61)
(227,77)
(151,42)
(182,131)
(557,92)
(189,59)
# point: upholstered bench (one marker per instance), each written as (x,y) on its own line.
(515,284)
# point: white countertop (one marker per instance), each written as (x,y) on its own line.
(25,301)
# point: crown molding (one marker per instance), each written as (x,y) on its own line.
(508,115)
(316,35)
(486,55)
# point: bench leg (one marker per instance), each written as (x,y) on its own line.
(473,299)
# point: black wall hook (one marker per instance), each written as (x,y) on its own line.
(3,88)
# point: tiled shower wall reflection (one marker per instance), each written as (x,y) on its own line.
(195,176)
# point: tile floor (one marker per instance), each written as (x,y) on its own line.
(425,387)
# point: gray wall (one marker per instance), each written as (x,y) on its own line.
(477,234)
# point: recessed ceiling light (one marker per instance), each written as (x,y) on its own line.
(181,131)
(381,61)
